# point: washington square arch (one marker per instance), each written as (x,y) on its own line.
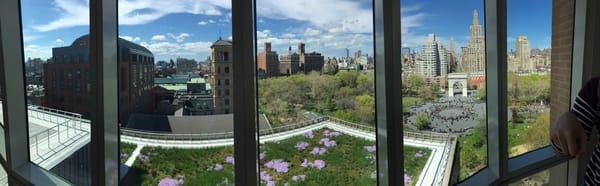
(457,82)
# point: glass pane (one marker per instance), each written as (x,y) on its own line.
(58,84)
(316,92)
(529,33)
(175,82)
(443,65)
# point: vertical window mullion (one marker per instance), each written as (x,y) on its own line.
(105,127)
(388,92)
(14,105)
(496,71)
(245,116)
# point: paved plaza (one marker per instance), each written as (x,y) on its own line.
(450,114)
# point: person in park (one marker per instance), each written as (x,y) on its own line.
(569,134)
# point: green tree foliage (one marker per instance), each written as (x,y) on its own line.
(537,133)
(473,150)
(529,89)
(481,94)
(347,95)
(422,121)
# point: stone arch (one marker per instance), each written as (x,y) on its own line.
(457,80)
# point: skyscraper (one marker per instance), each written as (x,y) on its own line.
(433,60)
(452,61)
(523,54)
(473,56)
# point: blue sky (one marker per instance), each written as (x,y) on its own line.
(186,28)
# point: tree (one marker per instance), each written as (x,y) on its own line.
(481,93)
(537,132)
(422,122)
(415,83)
(365,108)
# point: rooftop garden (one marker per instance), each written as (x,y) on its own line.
(321,157)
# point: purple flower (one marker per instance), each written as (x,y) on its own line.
(218,167)
(270,183)
(309,134)
(261,155)
(278,165)
(305,163)
(371,148)
(298,178)
(319,151)
(319,164)
(328,133)
(419,154)
(264,176)
(230,160)
(144,158)
(407,179)
(168,182)
(301,145)
(327,142)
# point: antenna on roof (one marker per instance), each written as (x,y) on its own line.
(219,34)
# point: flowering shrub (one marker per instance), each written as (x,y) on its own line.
(329,134)
(319,164)
(301,145)
(371,148)
(261,155)
(278,165)
(298,178)
(230,160)
(327,142)
(319,151)
(144,158)
(419,154)
(407,179)
(268,179)
(170,182)
(309,134)
(218,167)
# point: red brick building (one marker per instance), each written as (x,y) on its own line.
(68,79)
(268,62)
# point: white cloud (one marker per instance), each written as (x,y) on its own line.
(165,48)
(312,32)
(198,47)
(131,38)
(29,37)
(349,15)
(211,21)
(59,41)
(159,38)
(131,12)
(202,23)
(179,38)
(35,51)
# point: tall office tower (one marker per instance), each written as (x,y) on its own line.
(268,62)
(433,60)
(452,61)
(221,76)
(347,53)
(523,54)
(473,56)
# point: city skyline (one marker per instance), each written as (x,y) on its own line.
(179,31)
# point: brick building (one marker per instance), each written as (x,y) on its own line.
(221,76)
(268,62)
(68,79)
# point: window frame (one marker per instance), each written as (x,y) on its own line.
(387,38)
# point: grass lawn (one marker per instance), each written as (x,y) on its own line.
(348,162)
(126,150)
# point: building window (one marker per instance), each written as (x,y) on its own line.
(226,56)
(218,70)
(226,101)
(226,81)
(218,82)
(227,70)
(227,92)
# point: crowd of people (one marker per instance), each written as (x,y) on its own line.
(454,115)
